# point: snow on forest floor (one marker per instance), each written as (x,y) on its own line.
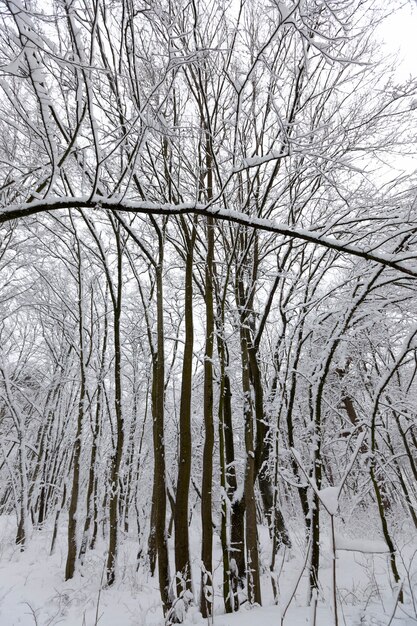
(33,591)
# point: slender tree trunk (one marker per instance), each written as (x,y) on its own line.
(57,515)
(206,588)
(244,299)
(233,543)
(21,534)
(263,450)
(399,473)
(118,452)
(251,535)
(315,505)
(73,506)
(228,595)
(206,592)
(233,508)
(92,478)
(130,457)
(152,550)
(22,501)
(95,515)
(159,444)
(384,525)
(182,556)
(373,471)
(302,491)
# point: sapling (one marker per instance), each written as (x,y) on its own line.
(329,498)
(297,582)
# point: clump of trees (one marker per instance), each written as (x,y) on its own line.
(208,280)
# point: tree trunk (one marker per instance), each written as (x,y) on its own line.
(158,439)
(251,535)
(206,592)
(118,452)
(182,556)
(92,479)
(72,512)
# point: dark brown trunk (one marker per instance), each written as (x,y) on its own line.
(251,535)
(182,556)
(119,443)
(158,410)
(72,512)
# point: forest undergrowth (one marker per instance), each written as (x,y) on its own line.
(33,591)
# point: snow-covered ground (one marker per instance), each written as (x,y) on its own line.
(33,591)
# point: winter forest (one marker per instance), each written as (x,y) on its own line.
(208,339)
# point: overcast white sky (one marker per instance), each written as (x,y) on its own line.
(400,33)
